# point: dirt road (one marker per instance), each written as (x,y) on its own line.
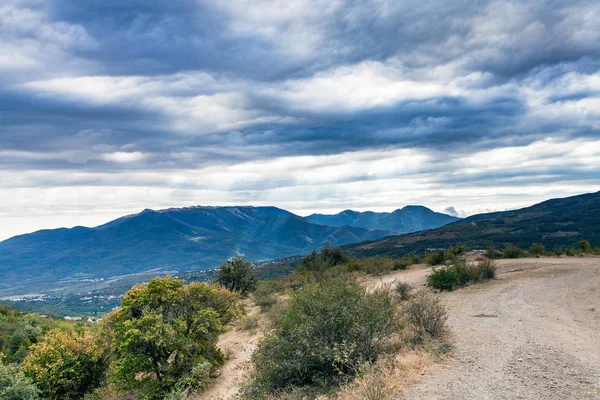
(534,333)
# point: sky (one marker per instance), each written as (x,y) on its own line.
(108,107)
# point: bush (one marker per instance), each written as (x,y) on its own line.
(163,329)
(265,302)
(401,264)
(435,258)
(14,385)
(537,249)
(558,252)
(403,290)
(327,258)
(66,365)
(444,278)
(237,275)
(327,331)
(449,255)
(487,269)
(571,252)
(513,251)
(584,245)
(426,314)
(461,273)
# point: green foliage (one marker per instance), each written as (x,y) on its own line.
(426,315)
(265,302)
(327,258)
(328,330)
(237,275)
(571,252)
(584,245)
(461,273)
(18,332)
(164,328)
(558,251)
(444,278)
(66,365)
(14,385)
(514,251)
(537,249)
(449,255)
(487,270)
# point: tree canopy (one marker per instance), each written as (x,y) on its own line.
(164,329)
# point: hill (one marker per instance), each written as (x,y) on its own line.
(185,239)
(404,220)
(554,223)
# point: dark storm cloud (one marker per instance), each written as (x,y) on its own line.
(268,67)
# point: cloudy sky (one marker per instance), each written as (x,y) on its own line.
(111,106)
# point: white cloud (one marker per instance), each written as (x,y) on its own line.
(363,180)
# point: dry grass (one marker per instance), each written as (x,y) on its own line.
(387,378)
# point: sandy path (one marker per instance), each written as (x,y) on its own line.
(239,345)
(534,333)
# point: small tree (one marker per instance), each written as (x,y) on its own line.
(237,275)
(585,246)
(66,365)
(165,330)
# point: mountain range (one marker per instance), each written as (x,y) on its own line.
(553,223)
(177,239)
(404,220)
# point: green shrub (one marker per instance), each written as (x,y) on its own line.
(265,302)
(487,269)
(66,365)
(571,252)
(403,290)
(466,272)
(163,329)
(401,264)
(537,249)
(461,273)
(198,379)
(514,251)
(237,275)
(444,278)
(14,385)
(435,258)
(327,331)
(449,255)
(584,245)
(558,251)
(426,314)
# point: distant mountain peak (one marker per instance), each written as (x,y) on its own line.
(410,218)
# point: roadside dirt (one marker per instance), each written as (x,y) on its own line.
(534,333)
